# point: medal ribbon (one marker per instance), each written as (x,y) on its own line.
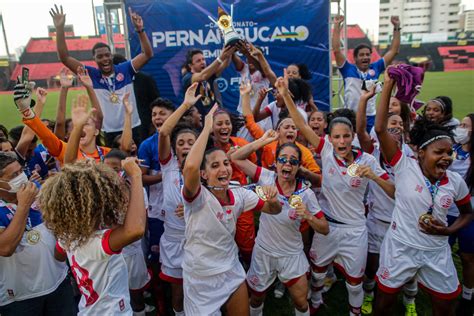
(433,189)
(460,154)
(99,151)
(110,83)
(344,162)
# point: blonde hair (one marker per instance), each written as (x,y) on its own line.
(83,198)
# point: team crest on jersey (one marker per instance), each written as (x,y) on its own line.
(371,72)
(332,171)
(356,182)
(163,213)
(384,273)
(254,280)
(394,226)
(11,293)
(119,77)
(419,188)
(446,201)
(220,216)
(122,305)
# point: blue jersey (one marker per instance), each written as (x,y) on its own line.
(38,161)
(7,211)
(353,81)
(118,84)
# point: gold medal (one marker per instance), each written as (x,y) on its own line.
(33,237)
(206,101)
(426,218)
(295,200)
(260,193)
(352,169)
(114,97)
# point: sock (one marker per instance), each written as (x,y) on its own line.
(356,297)
(466,293)
(410,290)
(369,285)
(256,311)
(317,284)
(298,313)
(140,313)
(181,313)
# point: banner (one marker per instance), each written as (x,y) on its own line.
(289,32)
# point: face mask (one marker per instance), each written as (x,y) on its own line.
(461,135)
(16,183)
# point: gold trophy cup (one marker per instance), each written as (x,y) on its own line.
(224,22)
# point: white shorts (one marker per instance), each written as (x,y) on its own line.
(171,258)
(138,275)
(346,246)
(434,270)
(205,295)
(376,230)
(265,268)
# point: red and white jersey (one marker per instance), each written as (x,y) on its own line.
(156,199)
(279,235)
(274,112)
(342,196)
(172,183)
(101,275)
(380,204)
(210,229)
(32,270)
(413,199)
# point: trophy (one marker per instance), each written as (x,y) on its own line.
(224,21)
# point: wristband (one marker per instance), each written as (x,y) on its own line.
(140,31)
(219,60)
(397,29)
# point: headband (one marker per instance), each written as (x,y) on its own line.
(440,103)
(341,119)
(433,139)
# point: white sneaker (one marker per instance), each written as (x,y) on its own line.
(279,290)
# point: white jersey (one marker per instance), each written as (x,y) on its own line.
(172,183)
(413,199)
(101,275)
(274,112)
(258,82)
(279,235)
(32,271)
(156,199)
(210,248)
(380,204)
(342,196)
(460,165)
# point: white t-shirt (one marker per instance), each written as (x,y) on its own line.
(279,235)
(210,248)
(342,196)
(101,275)
(274,112)
(32,271)
(172,183)
(413,199)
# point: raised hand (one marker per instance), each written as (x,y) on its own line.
(209,119)
(282,83)
(65,78)
(190,97)
(126,104)
(59,18)
(79,112)
(254,51)
(367,94)
(262,93)
(27,194)
(395,20)
(131,168)
(269,136)
(83,76)
(338,19)
(227,52)
(271,193)
(245,87)
(41,95)
(22,97)
(136,20)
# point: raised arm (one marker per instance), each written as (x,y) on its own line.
(59,20)
(361,120)
(239,157)
(264,65)
(213,68)
(395,46)
(258,114)
(164,143)
(387,143)
(79,115)
(192,166)
(238,63)
(254,129)
(147,51)
(85,79)
(306,131)
(65,79)
(336,41)
(127,135)
(133,227)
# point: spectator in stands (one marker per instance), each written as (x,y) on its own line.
(440,110)
(205,76)
(110,82)
(146,91)
(355,76)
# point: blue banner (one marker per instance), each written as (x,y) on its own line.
(289,32)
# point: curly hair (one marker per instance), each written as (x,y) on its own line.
(425,131)
(83,198)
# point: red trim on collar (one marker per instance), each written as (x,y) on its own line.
(358,154)
(444,180)
(299,185)
(231,199)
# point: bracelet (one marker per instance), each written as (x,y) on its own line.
(140,31)
(397,29)
(219,60)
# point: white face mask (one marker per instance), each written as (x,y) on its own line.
(16,183)
(461,135)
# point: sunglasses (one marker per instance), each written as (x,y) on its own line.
(292,161)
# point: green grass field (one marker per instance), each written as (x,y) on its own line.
(457,85)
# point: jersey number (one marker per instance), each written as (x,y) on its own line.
(85,284)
